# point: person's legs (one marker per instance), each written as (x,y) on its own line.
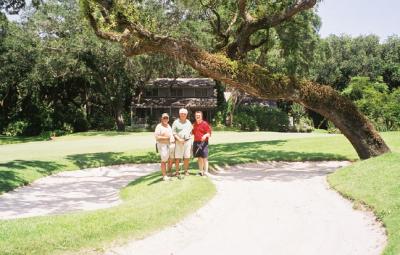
(170,163)
(186,165)
(171,159)
(205,165)
(176,166)
(164,153)
(201,164)
(163,168)
(179,151)
(187,147)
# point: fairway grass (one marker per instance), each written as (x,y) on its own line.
(20,164)
(23,163)
(148,205)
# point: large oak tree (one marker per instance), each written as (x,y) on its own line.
(240,27)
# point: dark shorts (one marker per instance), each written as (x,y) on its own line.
(200,149)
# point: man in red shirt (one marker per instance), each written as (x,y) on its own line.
(201,132)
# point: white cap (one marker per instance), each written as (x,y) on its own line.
(183,110)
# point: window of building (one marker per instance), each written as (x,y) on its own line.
(176,92)
(188,92)
(163,92)
(151,92)
(201,92)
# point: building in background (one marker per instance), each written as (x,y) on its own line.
(169,95)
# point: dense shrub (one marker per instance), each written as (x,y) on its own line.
(301,121)
(16,128)
(245,122)
(261,118)
(376,101)
(81,124)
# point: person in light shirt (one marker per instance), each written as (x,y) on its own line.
(165,142)
(182,131)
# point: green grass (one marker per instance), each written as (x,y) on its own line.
(376,183)
(23,163)
(18,139)
(149,204)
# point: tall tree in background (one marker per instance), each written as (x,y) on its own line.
(239,27)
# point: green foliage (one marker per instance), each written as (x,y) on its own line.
(391,58)
(332,129)
(245,122)
(341,57)
(16,128)
(55,72)
(301,121)
(256,117)
(376,101)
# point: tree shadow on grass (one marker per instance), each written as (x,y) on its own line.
(9,172)
(102,133)
(111,158)
(237,153)
(220,154)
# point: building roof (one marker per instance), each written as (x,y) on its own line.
(182,82)
(167,102)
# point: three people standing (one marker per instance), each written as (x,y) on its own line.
(175,144)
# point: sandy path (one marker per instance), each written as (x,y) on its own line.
(70,191)
(270,208)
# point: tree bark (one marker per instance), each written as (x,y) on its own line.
(119,121)
(259,82)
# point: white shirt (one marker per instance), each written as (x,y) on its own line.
(164,131)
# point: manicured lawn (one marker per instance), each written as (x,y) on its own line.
(12,139)
(22,163)
(376,183)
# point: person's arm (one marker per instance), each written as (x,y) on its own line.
(176,136)
(159,136)
(208,134)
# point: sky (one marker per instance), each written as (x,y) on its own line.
(360,17)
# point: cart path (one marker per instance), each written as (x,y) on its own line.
(270,208)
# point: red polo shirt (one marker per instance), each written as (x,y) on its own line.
(200,129)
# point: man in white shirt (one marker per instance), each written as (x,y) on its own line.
(182,131)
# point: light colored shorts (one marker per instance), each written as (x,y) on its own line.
(166,151)
(183,150)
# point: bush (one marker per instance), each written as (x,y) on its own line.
(264,118)
(272,119)
(376,101)
(305,125)
(16,128)
(101,122)
(245,122)
(332,129)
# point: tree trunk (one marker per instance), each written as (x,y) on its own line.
(259,82)
(119,120)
